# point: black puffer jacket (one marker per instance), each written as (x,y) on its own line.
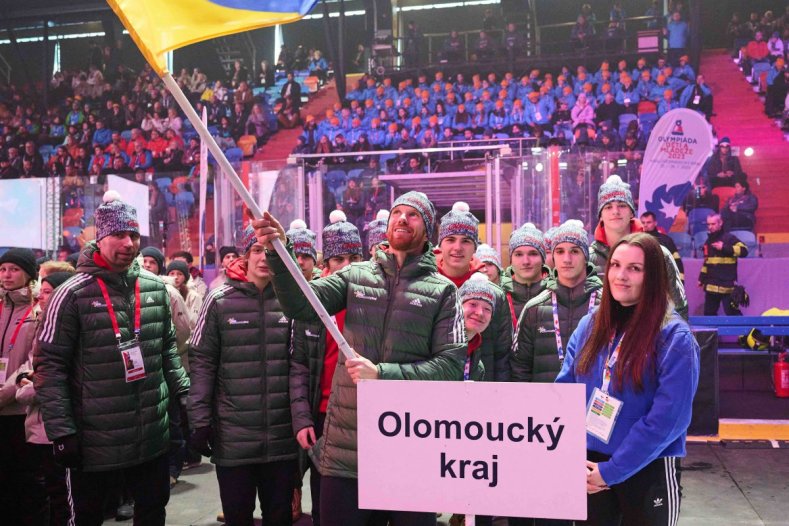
(518,293)
(79,372)
(535,357)
(239,355)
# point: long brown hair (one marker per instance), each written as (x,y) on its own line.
(641,324)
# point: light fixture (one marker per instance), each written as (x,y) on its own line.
(748,151)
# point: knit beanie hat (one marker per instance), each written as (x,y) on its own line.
(478,287)
(302,238)
(114,216)
(156,254)
(22,258)
(571,231)
(223,251)
(376,229)
(459,222)
(614,189)
(56,279)
(528,235)
(340,237)
(488,254)
(181,267)
(247,239)
(547,238)
(422,204)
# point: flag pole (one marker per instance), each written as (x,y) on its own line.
(233,178)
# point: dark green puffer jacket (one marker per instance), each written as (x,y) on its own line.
(239,353)
(535,357)
(79,373)
(521,294)
(308,352)
(406,320)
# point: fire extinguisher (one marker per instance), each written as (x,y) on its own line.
(781,376)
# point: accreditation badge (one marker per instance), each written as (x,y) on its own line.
(133,364)
(3,370)
(601,415)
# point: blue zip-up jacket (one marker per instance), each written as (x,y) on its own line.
(652,423)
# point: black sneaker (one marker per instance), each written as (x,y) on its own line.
(125,512)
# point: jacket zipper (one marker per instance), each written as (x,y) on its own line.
(389,301)
(263,378)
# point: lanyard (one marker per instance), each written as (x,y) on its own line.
(111,310)
(512,311)
(18,328)
(611,361)
(556,330)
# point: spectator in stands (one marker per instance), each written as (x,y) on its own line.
(677,33)
(31,153)
(454,48)
(701,197)
(291,91)
(412,45)
(724,168)
(698,96)
(257,124)
(739,212)
(284,59)
(582,113)
(757,57)
(485,50)
(777,84)
(6,170)
(615,34)
(266,75)
(719,272)
(513,43)
(318,67)
(582,34)
(240,74)
(655,11)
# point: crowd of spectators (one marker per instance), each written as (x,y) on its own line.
(613,108)
(761,47)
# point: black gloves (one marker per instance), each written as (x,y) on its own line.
(202,441)
(67,451)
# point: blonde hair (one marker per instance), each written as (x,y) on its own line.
(50,267)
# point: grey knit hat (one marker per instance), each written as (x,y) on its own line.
(614,189)
(422,204)
(181,267)
(376,229)
(302,239)
(114,216)
(478,287)
(547,238)
(459,222)
(247,239)
(488,254)
(571,231)
(340,237)
(528,235)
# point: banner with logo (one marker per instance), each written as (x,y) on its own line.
(467,452)
(678,147)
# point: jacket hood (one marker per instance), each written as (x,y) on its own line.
(599,231)
(20,296)
(91,262)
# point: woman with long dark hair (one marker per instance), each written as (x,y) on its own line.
(640,364)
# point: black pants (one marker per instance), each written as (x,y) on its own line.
(340,507)
(23,496)
(273,484)
(59,508)
(651,497)
(177,452)
(712,301)
(148,483)
(315,477)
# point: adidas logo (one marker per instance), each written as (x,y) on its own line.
(415,302)
(658,502)
(150,300)
(283,319)
(233,321)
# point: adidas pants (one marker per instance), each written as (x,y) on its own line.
(651,497)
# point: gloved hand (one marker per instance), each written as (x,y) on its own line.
(202,441)
(67,451)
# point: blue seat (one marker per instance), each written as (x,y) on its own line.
(699,238)
(697,219)
(624,120)
(335,179)
(356,173)
(647,121)
(749,238)
(45,150)
(184,202)
(163,183)
(126,134)
(213,130)
(684,243)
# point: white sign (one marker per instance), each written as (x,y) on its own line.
(135,194)
(22,213)
(678,147)
(478,448)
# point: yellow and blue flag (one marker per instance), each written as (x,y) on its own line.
(159,26)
